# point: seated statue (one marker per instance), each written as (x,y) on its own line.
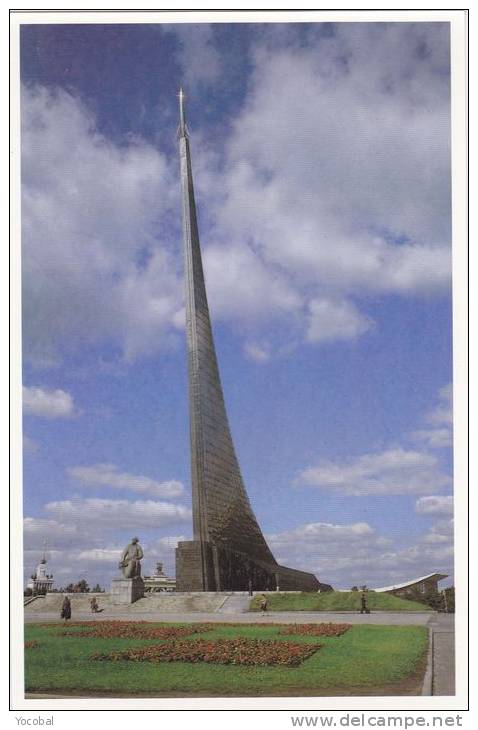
(130,559)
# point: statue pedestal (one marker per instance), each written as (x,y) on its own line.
(126,590)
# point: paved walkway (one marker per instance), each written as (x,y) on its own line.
(443,654)
(383,618)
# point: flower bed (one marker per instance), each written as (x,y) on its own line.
(315,629)
(132,630)
(32,644)
(250,652)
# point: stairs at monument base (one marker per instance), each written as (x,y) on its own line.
(236,603)
(51,603)
(178,603)
(151,603)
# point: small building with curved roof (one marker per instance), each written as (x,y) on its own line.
(424,584)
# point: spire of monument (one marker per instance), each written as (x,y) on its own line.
(228,550)
(183,130)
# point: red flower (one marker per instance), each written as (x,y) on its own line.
(251,652)
(315,629)
(131,630)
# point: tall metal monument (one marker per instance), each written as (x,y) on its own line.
(228,551)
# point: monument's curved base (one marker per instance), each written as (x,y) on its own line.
(202,566)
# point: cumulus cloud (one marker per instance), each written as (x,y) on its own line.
(330,320)
(441,533)
(245,287)
(47,403)
(394,471)
(434,438)
(442,414)
(356,554)
(324,533)
(345,143)
(198,57)
(364,114)
(98,514)
(434,505)
(334,183)
(256,352)
(37,529)
(96,265)
(99,555)
(108,475)
(440,435)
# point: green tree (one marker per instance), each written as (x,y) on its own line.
(82,586)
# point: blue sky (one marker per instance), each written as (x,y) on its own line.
(321,156)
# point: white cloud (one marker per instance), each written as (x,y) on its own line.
(241,286)
(434,505)
(100,555)
(108,514)
(323,533)
(435,438)
(330,320)
(255,352)
(355,554)
(365,116)
(442,414)
(95,262)
(441,420)
(334,184)
(170,541)
(345,143)
(441,533)
(108,475)
(198,57)
(47,403)
(37,529)
(394,471)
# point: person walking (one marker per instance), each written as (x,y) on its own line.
(66,609)
(94,605)
(363,603)
(263,605)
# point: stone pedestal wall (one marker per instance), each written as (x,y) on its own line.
(194,567)
(126,590)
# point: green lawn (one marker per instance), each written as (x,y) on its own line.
(335,601)
(361,661)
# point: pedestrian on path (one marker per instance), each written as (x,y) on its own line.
(66,609)
(263,605)
(363,603)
